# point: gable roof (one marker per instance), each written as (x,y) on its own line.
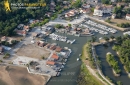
(54,56)
(50,62)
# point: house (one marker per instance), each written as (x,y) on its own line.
(85,10)
(52,47)
(4,38)
(21,32)
(102,9)
(52,3)
(26,28)
(127,17)
(86,6)
(20,26)
(70,13)
(50,63)
(1,49)
(58,49)
(55,57)
(48,45)
(50,29)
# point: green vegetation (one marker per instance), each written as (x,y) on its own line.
(123,49)
(12,18)
(106,1)
(86,78)
(124,25)
(59,26)
(106,39)
(119,83)
(108,20)
(113,63)
(76,4)
(7,55)
(90,57)
(123,1)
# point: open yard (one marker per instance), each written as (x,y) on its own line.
(119,21)
(10,75)
(33,51)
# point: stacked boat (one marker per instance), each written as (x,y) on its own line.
(103,27)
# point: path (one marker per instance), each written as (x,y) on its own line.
(98,69)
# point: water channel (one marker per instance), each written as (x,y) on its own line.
(71,71)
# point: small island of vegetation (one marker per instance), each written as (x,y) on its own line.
(113,63)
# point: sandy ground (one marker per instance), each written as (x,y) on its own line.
(33,51)
(119,21)
(19,76)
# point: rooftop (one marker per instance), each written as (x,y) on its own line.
(50,63)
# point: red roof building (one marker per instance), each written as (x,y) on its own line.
(50,63)
(54,56)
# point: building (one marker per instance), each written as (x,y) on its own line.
(58,49)
(113,0)
(54,57)
(100,10)
(34,34)
(127,17)
(4,38)
(21,32)
(50,63)
(85,10)
(71,13)
(52,47)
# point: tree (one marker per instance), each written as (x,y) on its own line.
(106,39)
(112,37)
(119,83)
(76,4)
(69,25)
(94,39)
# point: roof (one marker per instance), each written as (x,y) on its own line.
(21,32)
(53,47)
(50,62)
(54,56)
(58,49)
(3,38)
(34,34)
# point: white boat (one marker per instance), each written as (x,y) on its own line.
(77,59)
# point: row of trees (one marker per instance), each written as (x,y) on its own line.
(124,25)
(113,63)
(123,49)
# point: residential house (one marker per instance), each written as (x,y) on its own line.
(54,57)
(58,49)
(50,63)
(70,13)
(85,10)
(21,32)
(53,47)
(100,10)
(20,26)
(26,28)
(48,45)
(4,38)
(127,16)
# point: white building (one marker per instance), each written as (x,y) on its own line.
(100,10)
(128,16)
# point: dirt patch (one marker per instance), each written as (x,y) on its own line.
(119,21)
(33,51)
(10,75)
